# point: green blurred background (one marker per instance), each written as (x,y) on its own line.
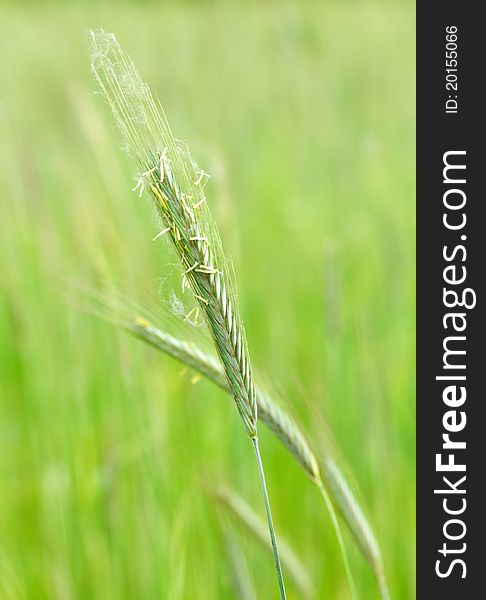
(304,114)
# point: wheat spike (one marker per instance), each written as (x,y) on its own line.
(176,187)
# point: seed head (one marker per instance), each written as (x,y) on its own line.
(176,187)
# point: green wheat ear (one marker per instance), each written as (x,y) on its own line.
(176,188)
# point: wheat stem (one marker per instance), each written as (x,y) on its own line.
(357,522)
(380,575)
(271,529)
(257,527)
(337,530)
(241,511)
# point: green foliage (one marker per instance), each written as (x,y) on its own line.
(304,116)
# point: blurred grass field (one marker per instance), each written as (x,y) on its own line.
(304,115)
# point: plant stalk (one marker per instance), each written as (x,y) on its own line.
(385,594)
(337,531)
(271,530)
